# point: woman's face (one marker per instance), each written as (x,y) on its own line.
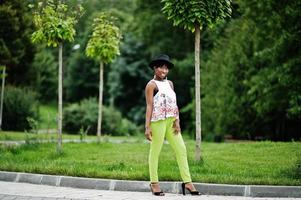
(161,72)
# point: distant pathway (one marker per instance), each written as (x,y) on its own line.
(110,140)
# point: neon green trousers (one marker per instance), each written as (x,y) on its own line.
(160,130)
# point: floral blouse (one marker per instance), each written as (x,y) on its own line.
(165,102)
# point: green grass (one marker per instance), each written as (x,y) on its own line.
(21,136)
(272,163)
(17,136)
(48,114)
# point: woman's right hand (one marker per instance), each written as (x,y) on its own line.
(148,134)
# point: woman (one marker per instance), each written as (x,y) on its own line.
(162,121)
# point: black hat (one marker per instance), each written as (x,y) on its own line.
(161,59)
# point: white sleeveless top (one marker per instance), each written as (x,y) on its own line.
(165,102)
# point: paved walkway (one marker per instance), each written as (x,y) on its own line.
(117,141)
(26,191)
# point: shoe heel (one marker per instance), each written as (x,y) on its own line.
(183,189)
(193,193)
(161,193)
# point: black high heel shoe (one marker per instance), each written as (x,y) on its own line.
(161,193)
(194,193)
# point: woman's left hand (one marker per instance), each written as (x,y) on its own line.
(176,126)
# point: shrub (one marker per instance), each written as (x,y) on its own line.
(83,116)
(18,106)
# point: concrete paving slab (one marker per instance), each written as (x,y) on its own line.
(169,187)
(275,191)
(50,180)
(8,176)
(7,197)
(220,189)
(102,184)
(30,178)
(138,186)
(86,183)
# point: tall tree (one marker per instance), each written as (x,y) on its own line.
(194,15)
(55,24)
(16,50)
(104,47)
(81,80)
(255,69)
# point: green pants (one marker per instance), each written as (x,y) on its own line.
(160,130)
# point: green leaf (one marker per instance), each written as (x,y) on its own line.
(105,39)
(55,23)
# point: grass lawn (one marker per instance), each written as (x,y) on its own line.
(21,136)
(272,163)
(15,136)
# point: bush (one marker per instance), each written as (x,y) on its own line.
(18,106)
(84,116)
(81,116)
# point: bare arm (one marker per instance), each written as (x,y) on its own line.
(149,92)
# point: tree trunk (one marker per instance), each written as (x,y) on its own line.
(60,99)
(100,101)
(197,92)
(2,95)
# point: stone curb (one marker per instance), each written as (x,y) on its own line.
(143,186)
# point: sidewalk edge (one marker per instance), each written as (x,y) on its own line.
(143,186)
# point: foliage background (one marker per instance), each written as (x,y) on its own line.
(251,85)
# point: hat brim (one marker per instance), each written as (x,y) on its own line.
(155,62)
